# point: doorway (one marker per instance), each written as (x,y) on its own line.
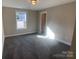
(43,17)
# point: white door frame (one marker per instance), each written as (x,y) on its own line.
(40,20)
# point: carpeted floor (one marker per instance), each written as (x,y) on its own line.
(33,47)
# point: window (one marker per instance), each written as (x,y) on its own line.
(21,20)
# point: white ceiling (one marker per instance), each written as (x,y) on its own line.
(42,4)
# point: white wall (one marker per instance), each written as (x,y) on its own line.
(60,20)
(9,21)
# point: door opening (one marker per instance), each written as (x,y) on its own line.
(43,23)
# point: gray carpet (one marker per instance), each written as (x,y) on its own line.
(32,47)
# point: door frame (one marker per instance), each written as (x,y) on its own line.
(40,20)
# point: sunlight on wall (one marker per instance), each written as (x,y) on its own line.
(49,34)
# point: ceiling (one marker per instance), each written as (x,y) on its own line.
(25,4)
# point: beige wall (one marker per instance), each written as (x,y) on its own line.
(9,21)
(60,20)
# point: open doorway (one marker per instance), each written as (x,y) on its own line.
(43,17)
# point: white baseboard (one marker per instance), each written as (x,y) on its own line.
(16,34)
(62,41)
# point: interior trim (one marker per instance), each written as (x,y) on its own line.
(19,34)
(67,43)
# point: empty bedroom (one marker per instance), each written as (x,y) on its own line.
(39,29)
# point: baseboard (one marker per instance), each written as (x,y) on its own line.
(18,34)
(67,43)
(62,41)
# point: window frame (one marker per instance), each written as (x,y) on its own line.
(25,26)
